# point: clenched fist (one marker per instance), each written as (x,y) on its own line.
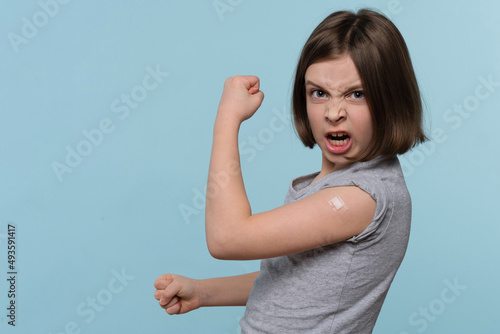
(241,98)
(178,294)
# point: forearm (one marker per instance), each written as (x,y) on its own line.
(227,291)
(227,202)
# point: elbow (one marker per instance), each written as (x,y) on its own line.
(219,247)
(225,239)
(216,249)
(217,253)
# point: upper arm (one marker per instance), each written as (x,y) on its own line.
(325,217)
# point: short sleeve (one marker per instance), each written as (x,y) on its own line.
(378,191)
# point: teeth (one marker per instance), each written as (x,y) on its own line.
(337,142)
(334,138)
(338,134)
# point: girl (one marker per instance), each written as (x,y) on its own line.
(331,252)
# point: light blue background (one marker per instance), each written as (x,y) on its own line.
(121,208)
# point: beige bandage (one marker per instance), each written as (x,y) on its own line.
(337,203)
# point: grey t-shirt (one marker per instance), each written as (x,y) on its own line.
(338,288)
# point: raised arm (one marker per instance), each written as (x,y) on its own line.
(226,196)
(233,232)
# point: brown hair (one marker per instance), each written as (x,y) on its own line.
(382,59)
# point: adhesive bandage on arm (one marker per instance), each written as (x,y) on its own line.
(337,203)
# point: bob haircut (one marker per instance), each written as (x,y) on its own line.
(381,57)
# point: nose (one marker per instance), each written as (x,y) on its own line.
(335,112)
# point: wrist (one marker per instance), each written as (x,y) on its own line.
(228,119)
(203,295)
(227,124)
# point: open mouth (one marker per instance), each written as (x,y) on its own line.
(338,138)
(338,142)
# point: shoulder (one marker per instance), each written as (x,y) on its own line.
(375,177)
(383,179)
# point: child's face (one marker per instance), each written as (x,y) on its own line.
(338,113)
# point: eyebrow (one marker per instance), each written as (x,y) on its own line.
(354,87)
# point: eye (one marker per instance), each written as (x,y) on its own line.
(357,95)
(318,93)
